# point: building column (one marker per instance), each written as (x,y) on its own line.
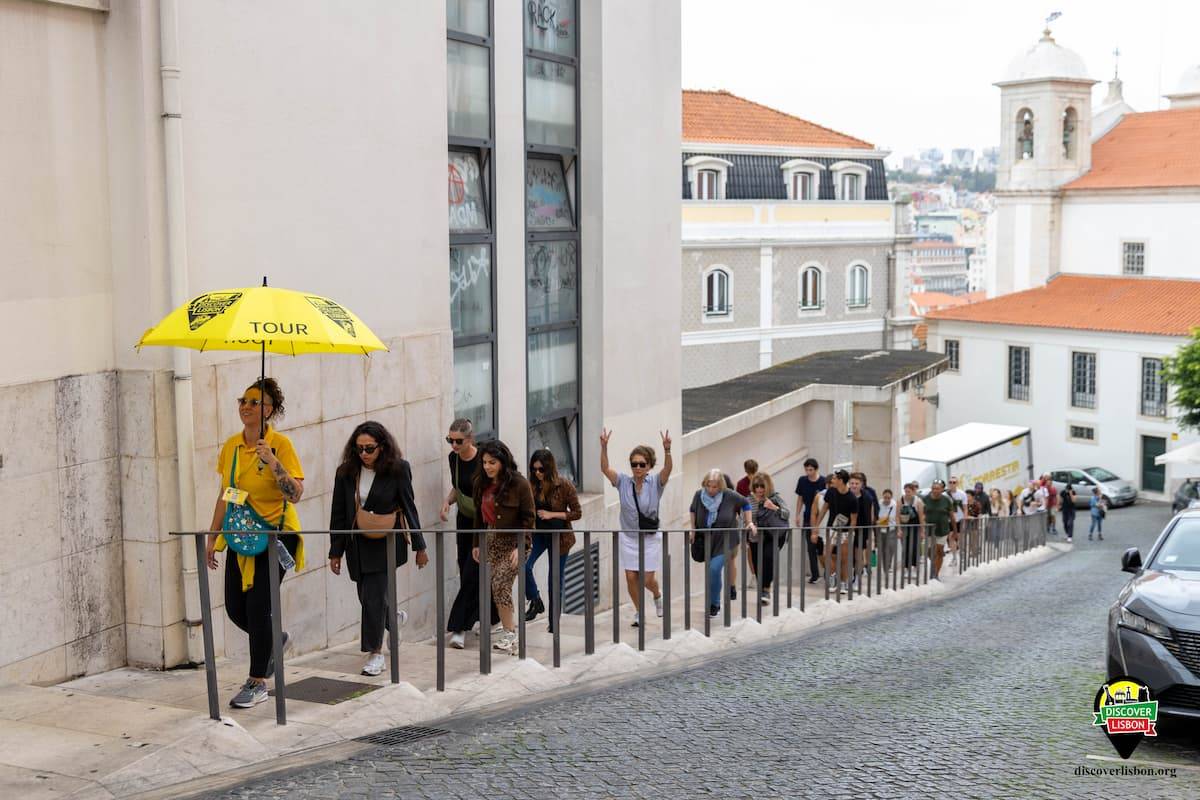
(766,282)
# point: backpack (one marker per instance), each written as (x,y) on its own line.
(907,513)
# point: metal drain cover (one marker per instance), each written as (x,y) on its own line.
(329,691)
(404,735)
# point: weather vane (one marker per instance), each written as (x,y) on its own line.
(1053,16)
(1116,64)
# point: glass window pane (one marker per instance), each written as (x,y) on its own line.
(550,25)
(553,372)
(549,103)
(471,289)
(558,436)
(467,90)
(473,385)
(468,16)
(468,212)
(547,205)
(552,282)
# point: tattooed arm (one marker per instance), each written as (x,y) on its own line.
(291,487)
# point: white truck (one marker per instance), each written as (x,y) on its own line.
(998,456)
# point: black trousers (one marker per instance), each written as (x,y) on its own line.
(464,611)
(1068,521)
(251,610)
(814,553)
(372,596)
(766,578)
(912,545)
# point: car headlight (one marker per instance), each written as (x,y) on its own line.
(1136,622)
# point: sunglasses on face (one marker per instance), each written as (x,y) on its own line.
(452,441)
(253,402)
(539,469)
(637,464)
(367,448)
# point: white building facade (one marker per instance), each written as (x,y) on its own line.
(158,150)
(1097,236)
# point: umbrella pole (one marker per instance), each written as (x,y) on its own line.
(262,386)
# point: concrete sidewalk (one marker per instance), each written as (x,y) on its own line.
(131,731)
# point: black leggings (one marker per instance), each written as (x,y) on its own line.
(767,577)
(464,611)
(251,610)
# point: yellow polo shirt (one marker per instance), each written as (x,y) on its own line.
(257,480)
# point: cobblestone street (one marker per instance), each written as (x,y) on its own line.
(984,695)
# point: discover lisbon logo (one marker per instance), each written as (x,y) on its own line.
(1127,711)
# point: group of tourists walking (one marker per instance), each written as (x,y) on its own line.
(838,516)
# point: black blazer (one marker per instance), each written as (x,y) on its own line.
(389,491)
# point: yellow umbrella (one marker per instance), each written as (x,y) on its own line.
(263,318)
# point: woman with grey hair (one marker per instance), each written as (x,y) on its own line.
(716,509)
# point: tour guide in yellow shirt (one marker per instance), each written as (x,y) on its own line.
(265,474)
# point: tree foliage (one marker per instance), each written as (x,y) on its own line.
(1182,372)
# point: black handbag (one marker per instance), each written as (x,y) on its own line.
(698,546)
(645,522)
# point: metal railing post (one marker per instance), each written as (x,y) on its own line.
(776,571)
(640,613)
(439,552)
(758,566)
(206,621)
(708,599)
(276,629)
(687,580)
(665,588)
(727,584)
(392,611)
(589,599)
(485,606)
(556,593)
(616,588)
(853,566)
(803,569)
(520,604)
(791,536)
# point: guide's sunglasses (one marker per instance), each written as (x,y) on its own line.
(253,402)
(451,440)
(367,448)
(637,464)
(539,469)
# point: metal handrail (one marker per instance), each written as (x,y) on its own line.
(981,540)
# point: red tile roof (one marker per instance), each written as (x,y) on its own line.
(1153,306)
(1156,149)
(723,117)
(924,302)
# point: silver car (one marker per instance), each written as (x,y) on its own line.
(1154,627)
(1116,491)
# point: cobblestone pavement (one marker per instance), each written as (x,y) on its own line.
(984,695)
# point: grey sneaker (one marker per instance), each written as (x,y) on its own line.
(252,694)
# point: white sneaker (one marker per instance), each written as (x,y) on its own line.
(764,597)
(458,640)
(842,588)
(374,665)
(658,605)
(636,621)
(401,621)
(506,642)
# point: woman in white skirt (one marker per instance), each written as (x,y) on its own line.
(639,494)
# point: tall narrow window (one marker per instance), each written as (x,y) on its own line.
(470,115)
(716,294)
(1070,122)
(1018,373)
(858,292)
(851,186)
(951,348)
(1083,380)
(1154,388)
(1024,134)
(706,184)
(802,186)
(810,289)
(552,254)
(1133,258)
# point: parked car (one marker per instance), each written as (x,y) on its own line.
(1116,491)
(1154,627)
(1187,494)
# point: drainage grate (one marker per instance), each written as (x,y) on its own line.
(328,691)
(404,735)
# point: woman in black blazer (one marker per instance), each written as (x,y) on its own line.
(372,476)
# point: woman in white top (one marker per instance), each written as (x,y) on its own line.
(639,494)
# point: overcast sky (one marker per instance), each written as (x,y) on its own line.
(911,75)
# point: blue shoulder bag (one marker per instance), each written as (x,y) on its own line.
(244,528)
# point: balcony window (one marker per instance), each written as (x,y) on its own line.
(1018,373)
(811,298)
(858,288)
(1083,380)
(1154,388)
(716,294)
